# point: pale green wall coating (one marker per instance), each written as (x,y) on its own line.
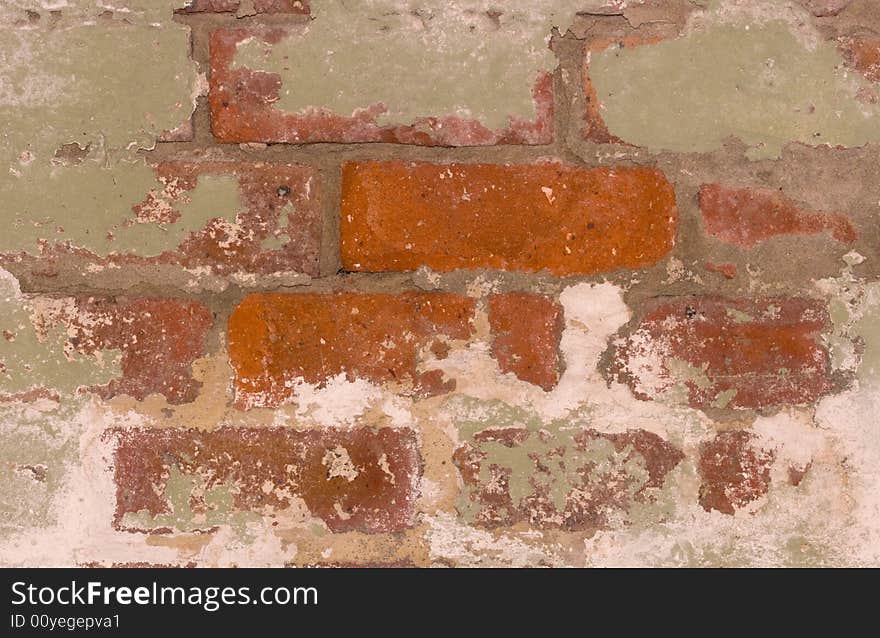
(563,471)
(281,237)
(759,83)
(82,84)
(39,439)
(450,59)
(89,201)
(29,362)
(179,489)
(87,84)
(868,328)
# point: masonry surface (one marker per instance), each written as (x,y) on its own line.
(423,283)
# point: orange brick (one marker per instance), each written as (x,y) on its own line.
(398,216)
(525,337)
(276,339)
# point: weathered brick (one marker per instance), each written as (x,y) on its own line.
(270,93)
(398,216)
(259,6)
(277,227)
(734,471)
(227,216)
(822,8)
(726,269)
(712,352)
(748,216)
(862,54)
(526,330)
(581,480)
(277,340)
(157,340)
(187,480)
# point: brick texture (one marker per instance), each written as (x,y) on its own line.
(356,480)
(568,221)
(277,340)
(243,110)
(728,353)
(526,330)
(747,217)
(445,283)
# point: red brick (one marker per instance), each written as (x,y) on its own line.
(265,189)
(267,469)
(733,470)
(526,330)
(260,6)
(863,55)
(599,491)
(158,340)
(242,110)
(748,216)
(765,352)
(398,216)
(726,269)
(275,339)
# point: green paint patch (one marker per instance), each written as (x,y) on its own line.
(29,360)
(280,238)
(149,11)
(854,343)
(420,59)
(37,450)
(179,490)
(90,206)
(739,316)
(723,399)
(559,462)
(756,82)
(70,85)
(868,328)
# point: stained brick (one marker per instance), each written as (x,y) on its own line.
(728,270)
(277,229)
(863,55)
(583,481)
(727,353)
(244,102)
(228,217)
(158,340)
(276,340)
(526,330)
(734,471)
(398,216)
(747,216)
(354,480)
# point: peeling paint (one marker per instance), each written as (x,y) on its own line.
(737,72)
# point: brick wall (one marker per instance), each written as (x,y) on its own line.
(423,283)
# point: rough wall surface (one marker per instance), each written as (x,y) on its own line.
(424,283)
